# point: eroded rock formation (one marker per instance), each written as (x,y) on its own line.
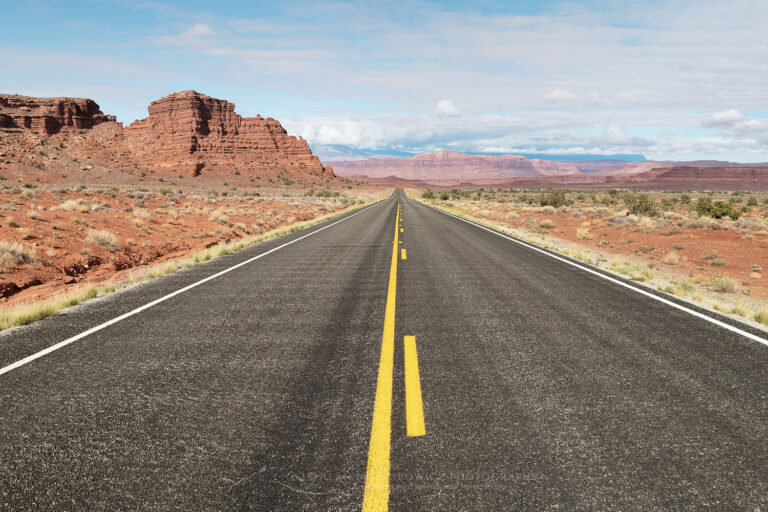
(193,133)
(48,116)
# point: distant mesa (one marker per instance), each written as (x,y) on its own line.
(454,169)
(47,116)
(452,165)
(186,133)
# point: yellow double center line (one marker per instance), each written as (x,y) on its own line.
(376,494)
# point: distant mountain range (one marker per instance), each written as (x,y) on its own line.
(340,152)
(450,169)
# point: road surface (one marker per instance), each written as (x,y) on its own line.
(288,383)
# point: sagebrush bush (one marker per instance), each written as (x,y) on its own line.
(103,238)
(547,224)
(555,198)
(724,284)
(13,253)
(716,209)
(219,217)
(641,204)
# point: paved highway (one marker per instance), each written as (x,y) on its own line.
(453,369)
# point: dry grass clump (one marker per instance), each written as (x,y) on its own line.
(219,217)
(80,205)
(547,223)
(33,215)
(11,222)
(623,218)
(645,224)
(141,213)
(103,238)
(583,233)
(724,284)
(715,259)
(13,253)
(635,271)
(674,258)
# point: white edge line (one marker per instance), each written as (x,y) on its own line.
(61,344)
(653,296)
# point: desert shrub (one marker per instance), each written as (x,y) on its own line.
(428,194)
(555,198)
(674,258)
(444,196)
(724,284)
(641,204)
(685,199)
(549,210)
(547,224)
(716,209)
(102,238)
(13,253)
(219,217)
(80,205)
(752,201)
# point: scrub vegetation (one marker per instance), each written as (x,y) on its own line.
(707,246)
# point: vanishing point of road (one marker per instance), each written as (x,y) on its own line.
(395,357)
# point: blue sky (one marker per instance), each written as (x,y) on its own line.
(669,79)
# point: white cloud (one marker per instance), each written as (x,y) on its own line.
(733,122)
(190,36)
(615,136)
(197,30)
(446,108)
(560,95)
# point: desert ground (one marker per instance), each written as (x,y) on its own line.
(660,238)
(57,238)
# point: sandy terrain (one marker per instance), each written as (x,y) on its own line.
(53,237)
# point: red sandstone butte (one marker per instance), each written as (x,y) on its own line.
(191,133)
(47,116)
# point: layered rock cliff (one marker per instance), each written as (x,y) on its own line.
(193,133)
(48,116)
(451,165)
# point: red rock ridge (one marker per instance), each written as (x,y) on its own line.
(442,165)
(194,133)
(48,116)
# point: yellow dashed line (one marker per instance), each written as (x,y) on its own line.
(402,254)
(414,409)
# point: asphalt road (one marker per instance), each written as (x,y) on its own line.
(543,386)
